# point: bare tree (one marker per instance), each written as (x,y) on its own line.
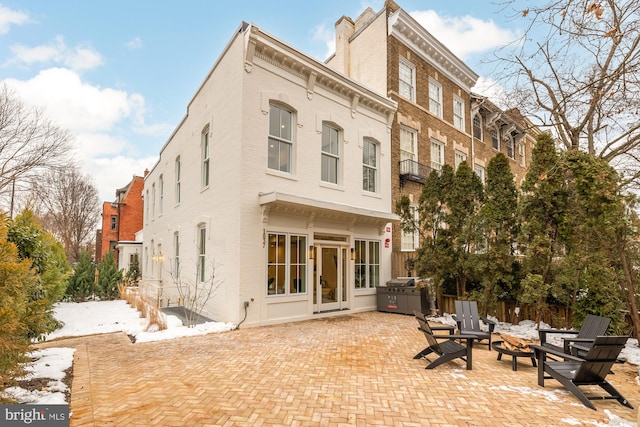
(29,144)
(576,69)
(195,294)
(71,208)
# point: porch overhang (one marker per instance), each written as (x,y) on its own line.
(313,209)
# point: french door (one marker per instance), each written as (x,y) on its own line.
(330,278)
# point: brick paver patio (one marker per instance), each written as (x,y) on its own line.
(354,370)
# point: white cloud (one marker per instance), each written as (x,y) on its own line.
(490,88)
(327,36)
(77,58)
(10,17)
(135,43)
(464,35)
(96,116)
(111,173)
(73,104)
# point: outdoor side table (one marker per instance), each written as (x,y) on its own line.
(497,346)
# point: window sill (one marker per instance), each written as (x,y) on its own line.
(279,174)
(331,186)
(372,195)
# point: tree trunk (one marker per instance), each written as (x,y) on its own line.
(629,290)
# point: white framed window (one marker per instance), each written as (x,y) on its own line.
(146,260)
(458,113)
(286,264)
(176,255)
(479,170)
(495,139)
(161,199)
(369,166)
(178,167)
(407,80)
(409,240)
(459,157)
(435,97)
(153,259)
(330,156)
(521,153)
(114,222)
(437,155)
(477,126)
(280,139)
(202,253)
(146,206)
(206,151)
(367,264)
(409,150)
(408,144)
(510,148)
(153,200)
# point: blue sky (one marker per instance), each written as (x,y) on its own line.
(119,74)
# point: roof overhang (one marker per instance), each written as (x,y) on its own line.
(313,209)
(406,29)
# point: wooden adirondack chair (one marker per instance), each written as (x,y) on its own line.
(590,370)
(447,350)
(468,321)
(592,327)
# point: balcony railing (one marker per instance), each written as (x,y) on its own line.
(413,171)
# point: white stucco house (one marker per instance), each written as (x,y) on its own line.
(278,182)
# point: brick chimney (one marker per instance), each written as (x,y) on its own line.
(345,28)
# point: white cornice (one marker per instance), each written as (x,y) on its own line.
(279,54)
(406,29)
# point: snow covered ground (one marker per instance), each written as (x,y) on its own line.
(97,317)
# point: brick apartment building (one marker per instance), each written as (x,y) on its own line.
(439,119)
(121,221)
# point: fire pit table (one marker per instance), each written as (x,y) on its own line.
(501,349)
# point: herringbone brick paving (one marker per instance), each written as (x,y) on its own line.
(351,370)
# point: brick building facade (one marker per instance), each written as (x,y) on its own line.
(121,218)
(439,119)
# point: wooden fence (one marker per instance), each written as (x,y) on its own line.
(555,316)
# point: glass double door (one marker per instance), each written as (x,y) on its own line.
(330,278)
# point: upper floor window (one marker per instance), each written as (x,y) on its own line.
(205,157)
(161,190)
(202,252)
(146,206)
(280,138)
(178,166)
(408,144)
(435,97)
(153,200)
(458,112)
(459,157)
(495,139)
(437,155)
(407,80)
(367,264)
(521,153)
(114,222)
(477,127)
(510,148)
(330,159)
(369,166)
